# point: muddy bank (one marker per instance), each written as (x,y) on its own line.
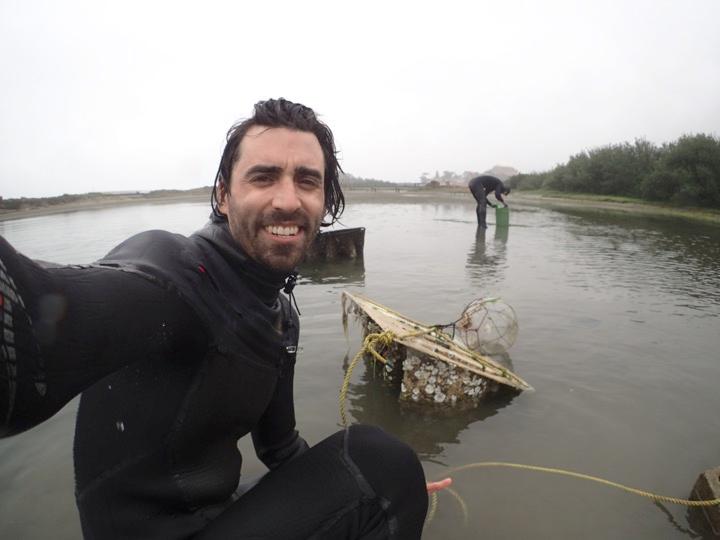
(97,203)
(400,195)
(532,199)
(553,201)
(351,197)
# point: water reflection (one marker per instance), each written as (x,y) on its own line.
(504,360)
(640,252)
(348,272)
(690,533)
(375,401)
(485,263)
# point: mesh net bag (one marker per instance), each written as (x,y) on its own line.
(488,326)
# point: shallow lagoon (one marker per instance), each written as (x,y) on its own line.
(619,319)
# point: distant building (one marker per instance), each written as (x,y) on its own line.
(450,178)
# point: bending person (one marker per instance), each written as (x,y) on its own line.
(481,187)
(183,345)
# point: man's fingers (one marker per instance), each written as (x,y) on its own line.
(432,487)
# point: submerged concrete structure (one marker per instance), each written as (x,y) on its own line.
(426,364)
(425,383)
(707,487)
(342,244)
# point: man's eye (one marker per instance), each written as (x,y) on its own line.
(310,181)
(261,179)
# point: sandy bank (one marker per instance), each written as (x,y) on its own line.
(379,196)
(535,199)
(102,202)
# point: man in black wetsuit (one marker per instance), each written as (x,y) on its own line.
(181,346)
(481,187)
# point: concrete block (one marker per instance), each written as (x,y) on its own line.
(439,385)
(427,383)
(343,244)
(707,487)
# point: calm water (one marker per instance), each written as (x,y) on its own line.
(619,321)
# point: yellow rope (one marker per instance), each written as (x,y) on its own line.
(434,504)
(432,509)
(653,496)
(385,339)
(462,504)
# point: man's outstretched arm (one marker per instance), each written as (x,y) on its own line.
(64,328)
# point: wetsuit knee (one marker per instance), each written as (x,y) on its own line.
(394,472)
(382,457)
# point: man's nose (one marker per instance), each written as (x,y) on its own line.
(285,195)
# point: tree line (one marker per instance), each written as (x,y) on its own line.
(347,179)
(24,203)
(448,177)
(683,172)
(28,202)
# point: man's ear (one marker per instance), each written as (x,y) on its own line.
(221,194)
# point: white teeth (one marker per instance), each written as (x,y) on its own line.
(291,230)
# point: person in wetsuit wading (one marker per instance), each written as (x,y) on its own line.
(183,345)
(481,187)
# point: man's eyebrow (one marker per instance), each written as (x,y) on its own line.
(266,169)
(274,170)
(307,171)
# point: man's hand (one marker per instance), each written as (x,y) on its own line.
(432,487)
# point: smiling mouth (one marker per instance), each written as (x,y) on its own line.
(278,230)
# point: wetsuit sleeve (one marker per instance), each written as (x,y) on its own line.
(275,438)
(65,328)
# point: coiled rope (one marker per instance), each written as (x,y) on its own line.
(385,339)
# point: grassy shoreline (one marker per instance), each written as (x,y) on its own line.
(546,199)
(612,203)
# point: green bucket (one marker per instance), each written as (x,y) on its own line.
(502,216)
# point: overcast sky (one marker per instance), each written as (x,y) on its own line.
(138,95)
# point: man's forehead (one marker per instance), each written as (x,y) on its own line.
(277,145)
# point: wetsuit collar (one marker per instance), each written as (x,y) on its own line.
(266,283)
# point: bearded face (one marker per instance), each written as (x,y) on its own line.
(276,199)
